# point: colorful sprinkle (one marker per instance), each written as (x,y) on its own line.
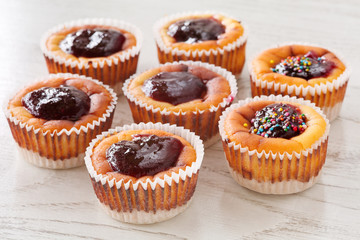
(278,120)
(299,66)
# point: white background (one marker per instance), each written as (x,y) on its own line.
(46,204)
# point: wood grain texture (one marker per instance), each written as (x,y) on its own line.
(46,204)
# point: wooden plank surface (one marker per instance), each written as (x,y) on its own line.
(46,204)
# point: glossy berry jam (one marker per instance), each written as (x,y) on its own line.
(92,43)
(278,120)
(61,103)
(308,66)
(196,30)
(174,87)
(145,155)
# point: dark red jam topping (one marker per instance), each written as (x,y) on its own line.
(92,43)
(196,30)
(278,120)
(308,66)
(61,103)
(145,155)
(174,87)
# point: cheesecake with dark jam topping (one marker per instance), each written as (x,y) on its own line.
(141,154)
(59,103)
(144,155)
(104,49)
(213,38)
(141,174)
(54,120)
(92,43)
(174,87)
(196,30)
(187,94)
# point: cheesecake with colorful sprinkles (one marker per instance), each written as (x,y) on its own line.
(308,66)
(305,71)
(270,142)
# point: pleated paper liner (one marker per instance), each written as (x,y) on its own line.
(112,70)
(285,187)
(328,97)
(244,163)
(230,57)
(204,123)
(58,150)
(150,201)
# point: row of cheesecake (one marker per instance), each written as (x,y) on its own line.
(294,69)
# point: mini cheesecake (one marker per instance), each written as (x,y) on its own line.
(274,144)
(104,49)
(207,37)
(305,71)
(189,94)
(142,174)
(54,120)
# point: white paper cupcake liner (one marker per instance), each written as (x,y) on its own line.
(35,159)
(285,187)
(328,97)
(53,149)
(112,70)
(202,122)
(152,200)
(142,217)
(226,57)
(308,162)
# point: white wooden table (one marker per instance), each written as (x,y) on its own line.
(46,204)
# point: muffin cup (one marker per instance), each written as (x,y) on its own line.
(328,97)
(244,163)
(58,150)
(230,57)
(145,202)
(202,122)
(112,70)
